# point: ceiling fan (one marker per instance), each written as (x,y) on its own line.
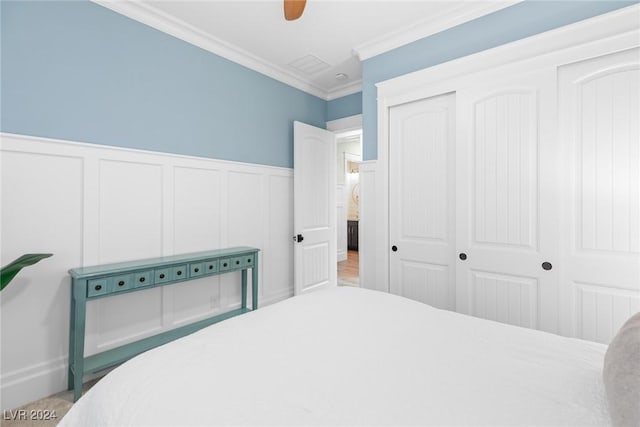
(293,9)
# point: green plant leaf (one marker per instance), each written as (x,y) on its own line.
(9,271)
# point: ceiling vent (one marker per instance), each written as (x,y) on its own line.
(309,64)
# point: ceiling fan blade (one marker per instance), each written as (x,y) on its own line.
(293,9)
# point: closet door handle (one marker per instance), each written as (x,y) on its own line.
(547,265)
(462,256)
(394,248)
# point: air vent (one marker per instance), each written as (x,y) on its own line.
(309,64)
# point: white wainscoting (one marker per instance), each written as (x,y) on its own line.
(369,264)
(341,222)
(89,204)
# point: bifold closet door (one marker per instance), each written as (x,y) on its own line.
(600,183)
(421,200)
(506,221)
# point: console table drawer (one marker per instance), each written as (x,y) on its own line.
(97,287)
(225,264)
(143,278)
(161,275)
(248,260)
(121,283)
(233,263)
(179,272)
(196,269)
(211,266)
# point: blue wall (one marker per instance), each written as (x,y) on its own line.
(513,23)
(75,70)
(346,106)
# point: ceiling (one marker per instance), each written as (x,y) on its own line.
(331,37)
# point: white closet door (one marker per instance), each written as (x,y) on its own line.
(506,211)
(421,198)
(599,127)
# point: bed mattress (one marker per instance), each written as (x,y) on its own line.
(348,356)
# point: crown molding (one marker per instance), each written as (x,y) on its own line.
(168,24)
(344,90)
(618,28)
(151,16)
(446,19)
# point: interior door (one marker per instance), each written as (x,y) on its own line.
(507,214)
(600,183)
(314,183)
(421,200)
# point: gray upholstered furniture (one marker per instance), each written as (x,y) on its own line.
(621,374)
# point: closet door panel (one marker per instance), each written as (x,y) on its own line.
(504,171)
(421,200)
(505,213)
(599,125)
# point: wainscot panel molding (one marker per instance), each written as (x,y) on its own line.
(370,263)
(90,204)
(341,214)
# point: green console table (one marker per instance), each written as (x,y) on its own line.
(103,281)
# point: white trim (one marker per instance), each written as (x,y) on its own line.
(9,379)
(151,16)
(113,148)
(47,378)
(162,21)
(367,245)
(344,90)
(603,34)
(602,28)
(345,124)
(465,12)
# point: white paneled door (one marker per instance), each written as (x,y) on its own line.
(599,127)
(507,220)
(516,186)
(421,200)
(521,194)
(314,184)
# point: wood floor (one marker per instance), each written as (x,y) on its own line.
(348,273)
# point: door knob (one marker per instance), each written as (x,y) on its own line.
(298,238)
(394,248)
(547,265)
(462,256)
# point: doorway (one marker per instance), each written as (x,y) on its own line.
(348,158)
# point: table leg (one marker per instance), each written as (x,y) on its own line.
(244,288)
(72,341)
(254,283)
(77,347)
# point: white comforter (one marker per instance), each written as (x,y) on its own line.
(346,356)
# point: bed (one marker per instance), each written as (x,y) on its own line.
(348,356)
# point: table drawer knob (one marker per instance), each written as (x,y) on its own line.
(121,283)
(98,287)
(162,276)
(142,279)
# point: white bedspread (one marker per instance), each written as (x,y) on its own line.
(346,356)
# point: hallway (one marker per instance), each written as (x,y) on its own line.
(348,273)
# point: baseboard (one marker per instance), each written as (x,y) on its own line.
(17,387)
